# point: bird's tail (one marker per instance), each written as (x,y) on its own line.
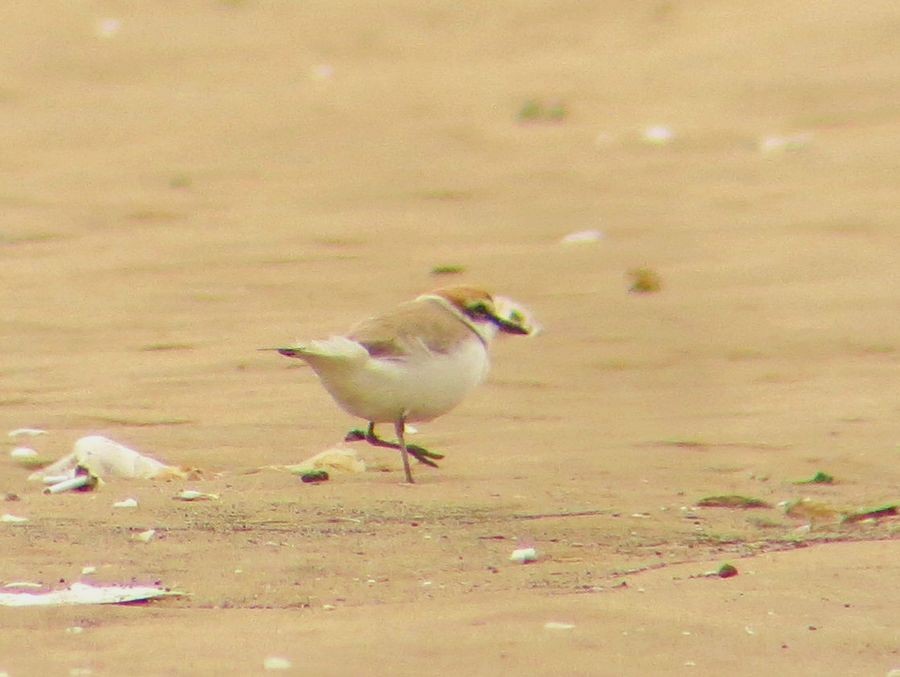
(334,349)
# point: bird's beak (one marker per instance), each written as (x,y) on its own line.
(507,326)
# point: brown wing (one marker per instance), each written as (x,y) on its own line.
(416,327)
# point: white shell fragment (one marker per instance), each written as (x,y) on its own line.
(523,555)
(336,458)
(144,536)
(658,135)
(276,663)
(194,495)
(23,453)
(582,237)
(23,584)
(108,27)
(12,519)
(791,142)
(553,625)
(104,458)
(26,432)
(127,503)
(82,593)
(86,571)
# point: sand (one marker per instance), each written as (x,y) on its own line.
(182,183)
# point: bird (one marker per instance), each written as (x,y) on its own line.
(413,363)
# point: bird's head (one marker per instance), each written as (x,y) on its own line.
(489,313)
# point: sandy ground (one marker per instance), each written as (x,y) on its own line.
(205,178)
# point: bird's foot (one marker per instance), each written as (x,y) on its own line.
(355,435)
(421,454)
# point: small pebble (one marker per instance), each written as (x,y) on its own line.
(127,503)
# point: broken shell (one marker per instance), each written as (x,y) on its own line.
(276,663)
(13,519)
(127,503)
(194,495)
(336,458)
(23,453)
(582,236)
(26,432)
(658,135)
(82,593)
(144,536)
(23,584)
(524,555)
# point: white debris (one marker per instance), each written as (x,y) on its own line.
(553,625)
(23,584)
(144,536)
(82,481)
(12,519)
(23,453)
(105,458)
(790,142)
(658,135)
(107,27)
(194,495)
(335,458)
(582,237)
(322,71)
(26,432)
(524,555)
(87,571)
(82,593)
(276,663)
(127,503)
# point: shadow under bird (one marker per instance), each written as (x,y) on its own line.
(414,362)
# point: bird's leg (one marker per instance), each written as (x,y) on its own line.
(399,427)
(421,454)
